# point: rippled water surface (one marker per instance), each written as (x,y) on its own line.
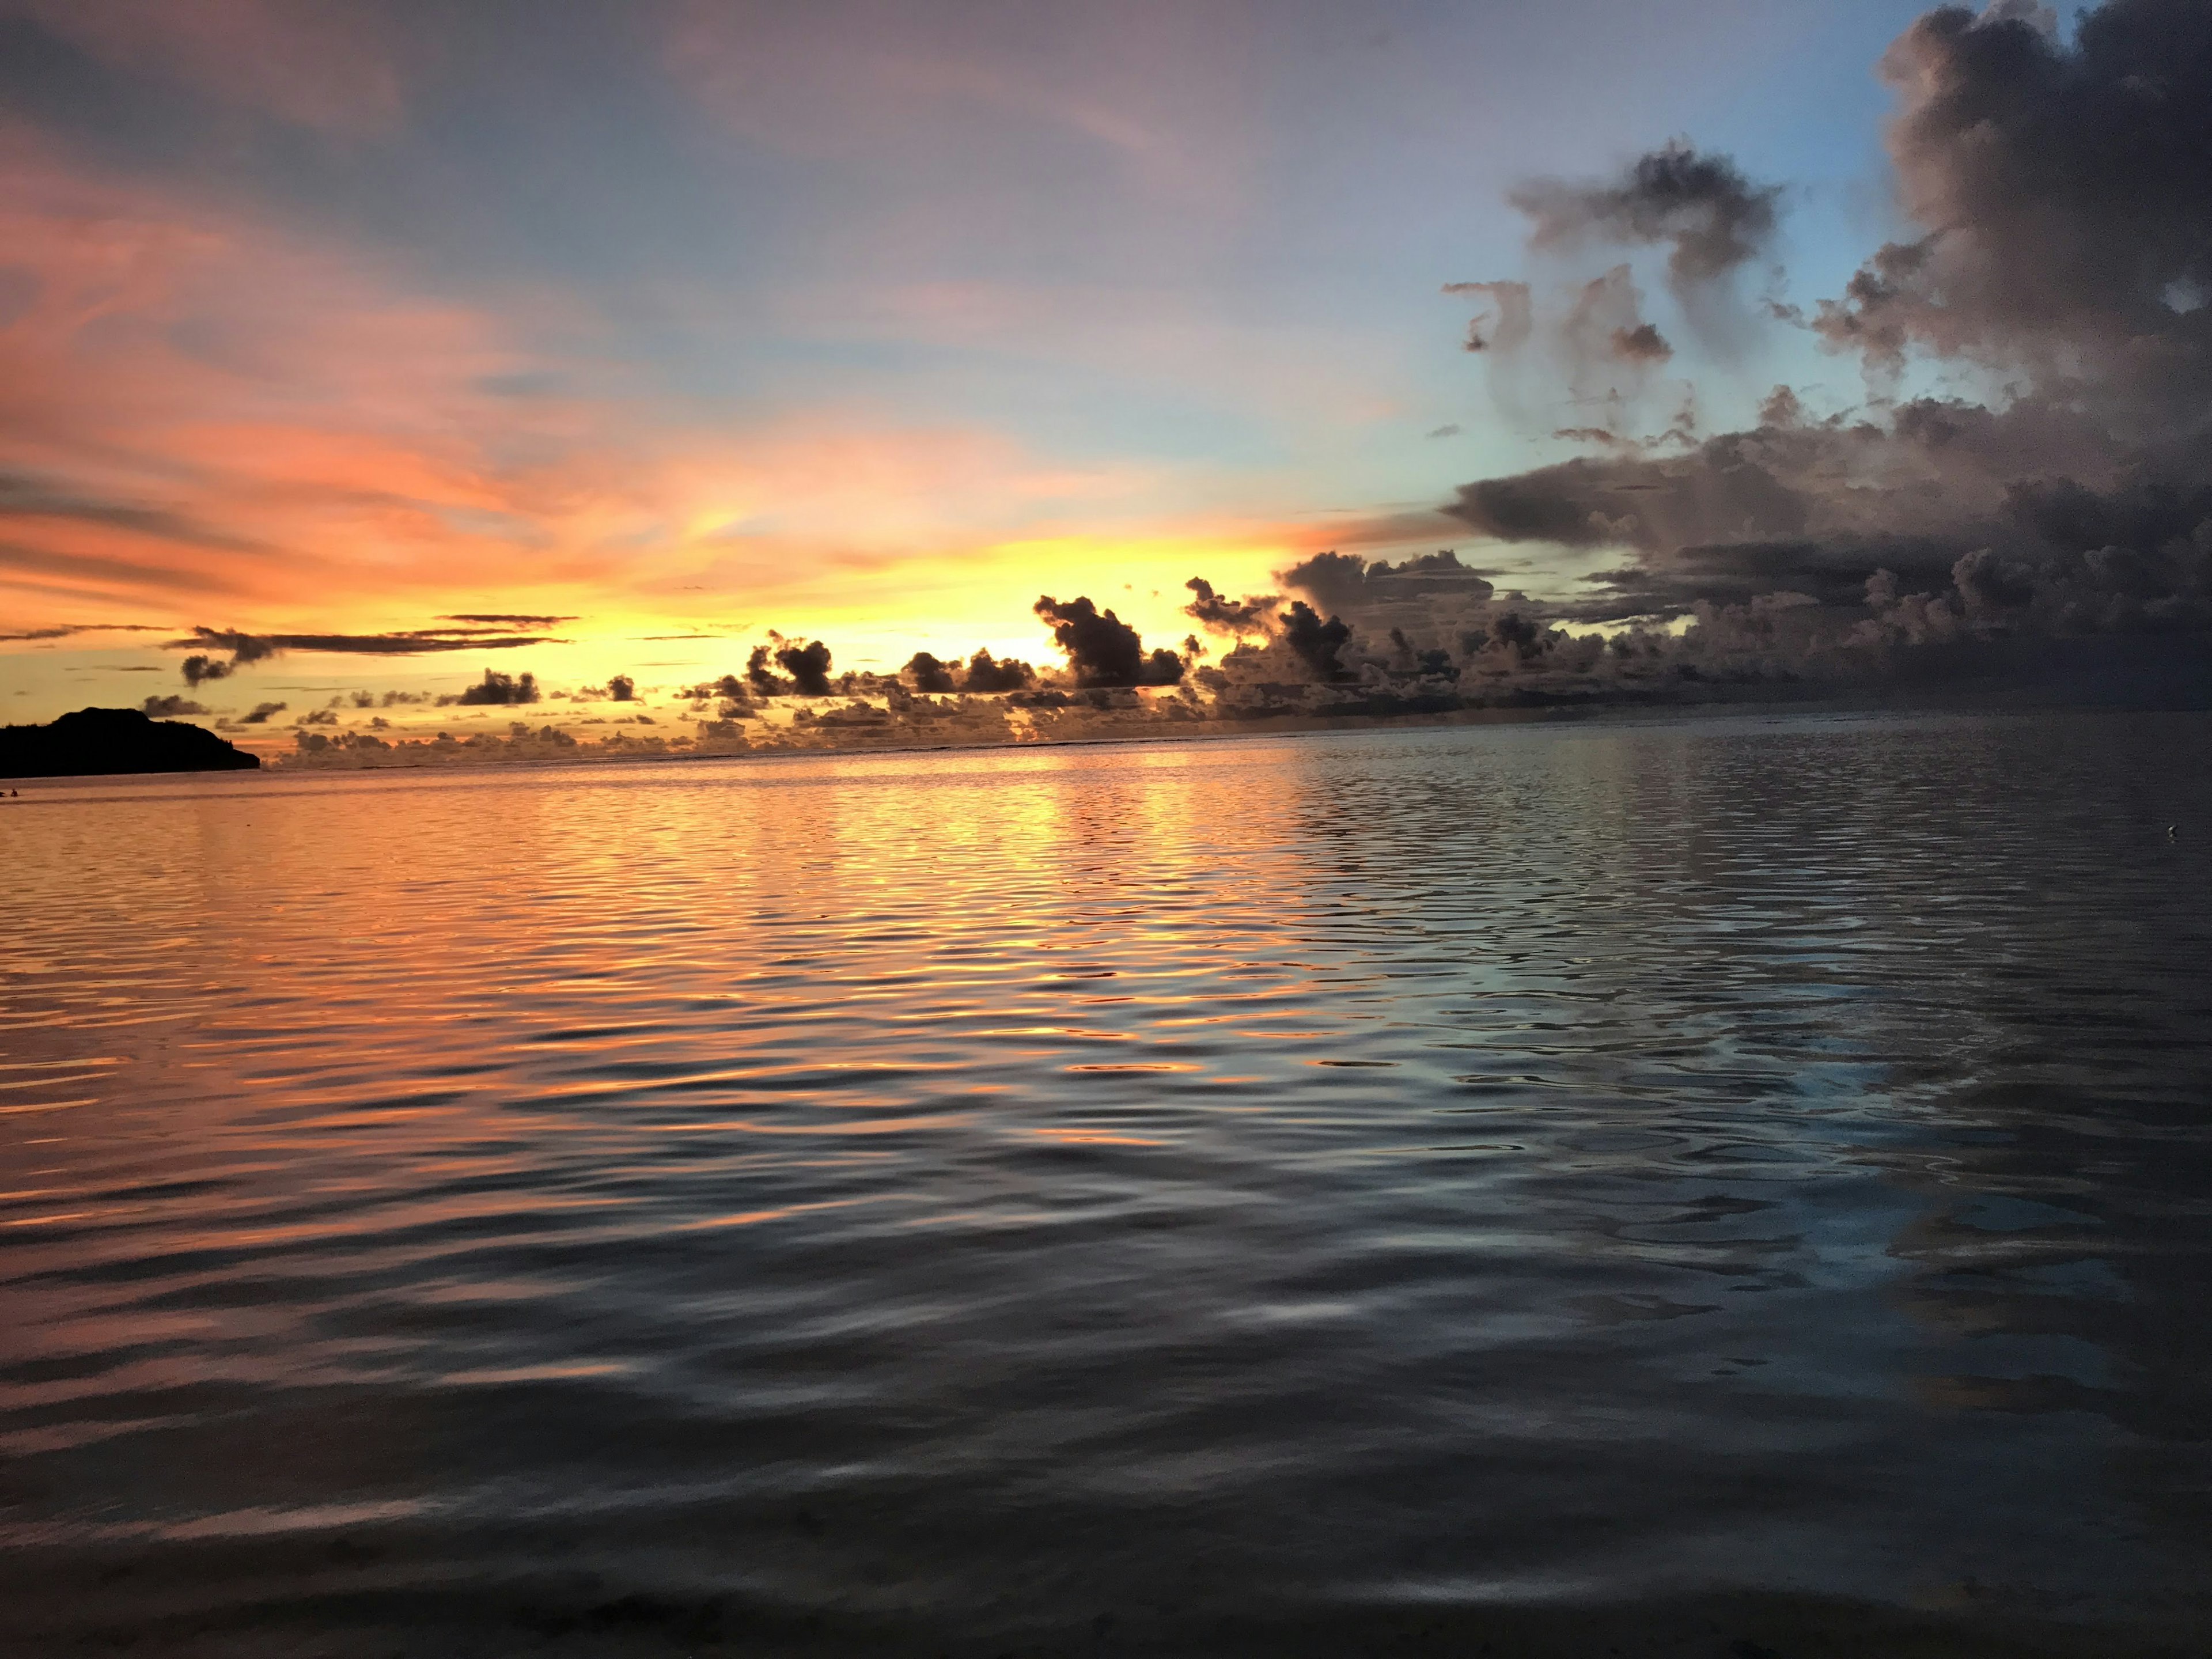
(1070,1196)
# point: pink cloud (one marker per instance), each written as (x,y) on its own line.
(201,410)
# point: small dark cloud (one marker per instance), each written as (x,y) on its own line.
(1448,430)
(729,688)
(621,687)
(1606,328)
(808,666)
(496,688)
(986,673)
(259,714)
(161,709)
(1702,207)
(1781,407)
(508,620)
(1643,343)
(1508,322)
(927,673)
(1219,614)
(761,676)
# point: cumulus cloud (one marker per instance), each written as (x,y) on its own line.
(808,666)
(621,687)
(162,708)
(927,674)
(1102,650)
(2060,196)
(2063,231)
(1316,643)
(259,714)
(986,674)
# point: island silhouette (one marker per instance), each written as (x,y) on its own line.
(99,742)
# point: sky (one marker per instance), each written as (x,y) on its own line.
(865,321)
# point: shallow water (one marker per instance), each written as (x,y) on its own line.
(1100,1190)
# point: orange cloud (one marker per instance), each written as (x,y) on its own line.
(209,417)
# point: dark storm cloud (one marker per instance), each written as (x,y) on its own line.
(1701,207)
(1101,649)
(2065,240)
(1219,614)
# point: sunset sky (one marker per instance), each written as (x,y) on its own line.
(862,320)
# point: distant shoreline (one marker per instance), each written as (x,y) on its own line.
(1636,714)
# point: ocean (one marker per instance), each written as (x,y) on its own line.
(1732,1180)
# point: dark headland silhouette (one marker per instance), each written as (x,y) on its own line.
(95,742)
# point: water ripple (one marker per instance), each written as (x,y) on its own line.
(1449,1168)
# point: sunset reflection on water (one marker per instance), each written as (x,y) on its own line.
(1522,1165)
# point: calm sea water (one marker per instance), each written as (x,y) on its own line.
(1117,1198)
